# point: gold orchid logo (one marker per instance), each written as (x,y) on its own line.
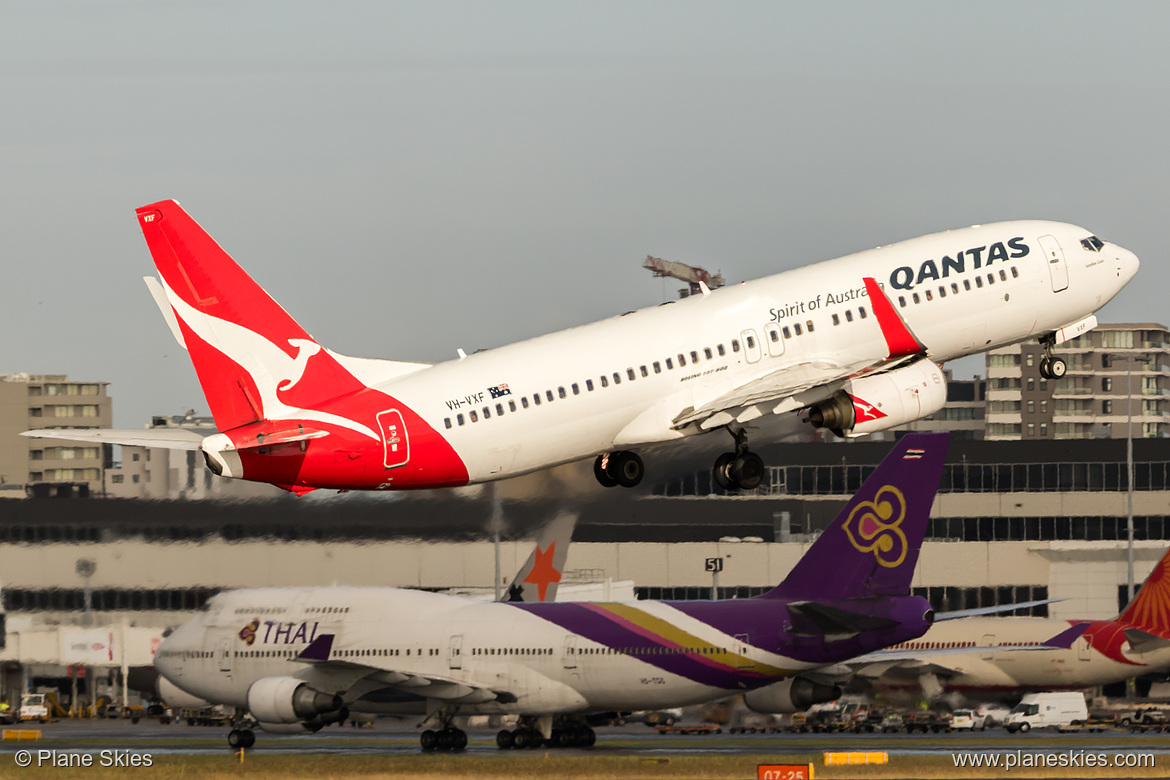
(877,527)
(248,633)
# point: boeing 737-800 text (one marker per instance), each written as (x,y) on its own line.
(852,345)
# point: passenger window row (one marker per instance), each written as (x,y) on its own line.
(604,381)
(942,288)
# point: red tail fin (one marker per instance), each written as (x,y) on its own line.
(244,346)
(1150,609)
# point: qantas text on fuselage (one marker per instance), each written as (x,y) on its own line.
(852,344)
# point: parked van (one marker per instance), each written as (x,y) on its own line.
(1036,710)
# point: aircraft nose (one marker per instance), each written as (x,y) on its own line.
(1128,264)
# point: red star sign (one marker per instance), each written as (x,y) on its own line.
(543,572)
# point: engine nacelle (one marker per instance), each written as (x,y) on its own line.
(302,727)
(881,401)
(289,700)
(796,694)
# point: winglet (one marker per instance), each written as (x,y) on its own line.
(899,339)
(318,650)
(1064,640)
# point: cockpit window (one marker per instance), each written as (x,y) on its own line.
(1093,244)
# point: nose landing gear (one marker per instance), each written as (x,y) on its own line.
(739,470)
(1051,366)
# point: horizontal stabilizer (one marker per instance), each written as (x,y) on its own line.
(1143,641)
(966,613)
(268,435)
(811,618)
(166,438)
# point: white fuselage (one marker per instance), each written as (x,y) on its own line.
(424,643)
(1099,657)
(953,313)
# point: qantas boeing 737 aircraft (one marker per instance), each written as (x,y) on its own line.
(852,345)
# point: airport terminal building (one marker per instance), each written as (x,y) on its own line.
(1035,508)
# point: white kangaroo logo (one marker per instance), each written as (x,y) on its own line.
(263,360)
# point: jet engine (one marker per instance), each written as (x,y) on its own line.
(880,401)
(290,701)
(795,694)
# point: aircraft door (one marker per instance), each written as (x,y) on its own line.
(1057,268)
(775,339)
(987,640)
(224,654)
(455,652)
(570,652)
(742,642)
(751,345)
(1084,649)
(394,440)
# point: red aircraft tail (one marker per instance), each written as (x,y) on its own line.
(245,347)
(1150,608)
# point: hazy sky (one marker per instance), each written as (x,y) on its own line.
(411,178)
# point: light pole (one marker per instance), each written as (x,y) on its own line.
(1129,684)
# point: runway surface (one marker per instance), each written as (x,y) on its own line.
(389,737)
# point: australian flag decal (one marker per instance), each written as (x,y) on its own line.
(499,391)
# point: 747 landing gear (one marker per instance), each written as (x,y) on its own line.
(447,738)
(618,468)
(739,470)
(241,738)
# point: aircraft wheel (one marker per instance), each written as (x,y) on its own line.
(748,470)
(505,740)
(1057,368)
(249,738)
(1045,373)
(601,472)
(589,737)
(428,740)
(722,471)
(236,738)
(445,740)
(520,739)
(460,739)
(629,469)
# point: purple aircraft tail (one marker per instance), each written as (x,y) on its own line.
(872,547)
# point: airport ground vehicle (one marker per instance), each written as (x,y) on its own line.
(1037,710)
(1143,716)
(994,714)
(928,720)
(968,720)
(33,706)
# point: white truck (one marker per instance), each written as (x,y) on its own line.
(34,706)
(1037,710)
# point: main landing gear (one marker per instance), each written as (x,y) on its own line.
(1051,367)
(618,468)
(446,738)
(241,738)
(567,736)
(739,470)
